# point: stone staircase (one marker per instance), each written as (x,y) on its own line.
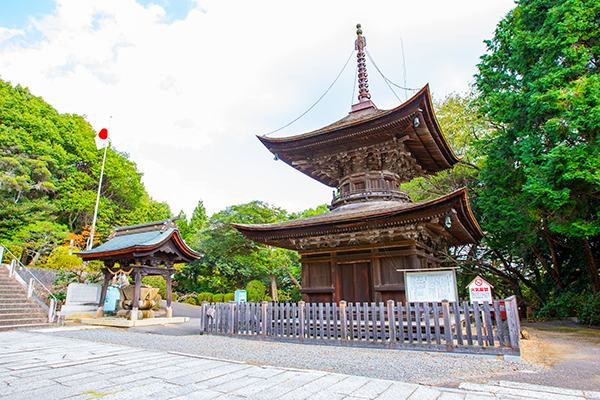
(16,310)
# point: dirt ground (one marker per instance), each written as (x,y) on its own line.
(570,354)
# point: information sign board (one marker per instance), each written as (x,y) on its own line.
(431,286)
(240,296)
(480,291)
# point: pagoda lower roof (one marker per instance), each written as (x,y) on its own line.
(463,229)
(412,125)
(159,240)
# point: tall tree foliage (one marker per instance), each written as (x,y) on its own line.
(459,120)
(231,261)
(49,171)
(539,84)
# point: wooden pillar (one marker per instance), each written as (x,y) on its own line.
(136,293)
(169,295)
(107,277)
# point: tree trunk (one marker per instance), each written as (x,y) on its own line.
(294,280)
(547,267)
(526,282)
(36,257)
(274,288)
(591,266)
(555,261)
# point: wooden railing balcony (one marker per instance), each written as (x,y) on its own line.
(372,194)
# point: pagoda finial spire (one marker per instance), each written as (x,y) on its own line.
(364,97)
(363,82)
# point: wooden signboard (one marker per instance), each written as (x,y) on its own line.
(431,286)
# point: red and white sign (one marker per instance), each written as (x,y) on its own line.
(480,291)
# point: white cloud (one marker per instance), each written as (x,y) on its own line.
(188,97)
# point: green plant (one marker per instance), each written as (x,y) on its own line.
(565,305)
(590,311)
(256,291)
(191,300)
(17,251)
(158,282)
(218,298)
(205,296)
(229,297)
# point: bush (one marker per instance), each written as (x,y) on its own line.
(256,291)
(191,300)
(218,298)
(590,311)
(565,305)
(59,258)
(173,296)
(229,297)
(205,296)
(11,248)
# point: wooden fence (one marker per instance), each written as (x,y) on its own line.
(445,326)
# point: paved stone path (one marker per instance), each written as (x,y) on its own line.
(38,366)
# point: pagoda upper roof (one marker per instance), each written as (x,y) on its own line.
(159,240)
(462,228)
(412,124)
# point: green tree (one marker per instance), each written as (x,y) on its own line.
(230,261)
(458,117)
(40,238)
(539,84)
(199,217)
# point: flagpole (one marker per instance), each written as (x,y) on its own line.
(91,239)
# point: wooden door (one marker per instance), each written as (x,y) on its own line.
(354,282)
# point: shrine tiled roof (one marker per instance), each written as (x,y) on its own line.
(140,238)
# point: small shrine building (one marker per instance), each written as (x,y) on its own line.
(142,250)
(359,251)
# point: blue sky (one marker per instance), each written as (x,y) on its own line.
(16,14)
(190,83)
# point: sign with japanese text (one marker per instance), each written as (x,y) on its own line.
(431,286)
(480,291)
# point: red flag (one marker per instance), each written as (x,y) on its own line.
(102,139)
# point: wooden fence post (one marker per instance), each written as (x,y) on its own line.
(231,318)
(203,317)
(391,323)
(344,323)
(512,315)
(264,305)
(447,325)
(302,317)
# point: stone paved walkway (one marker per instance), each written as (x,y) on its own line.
(39,366)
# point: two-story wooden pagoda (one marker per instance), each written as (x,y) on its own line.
(374,231)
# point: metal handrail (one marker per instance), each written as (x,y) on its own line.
(53,302)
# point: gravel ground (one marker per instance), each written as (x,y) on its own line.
(406,366)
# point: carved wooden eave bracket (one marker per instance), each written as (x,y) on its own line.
(392,156)
(442,222)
